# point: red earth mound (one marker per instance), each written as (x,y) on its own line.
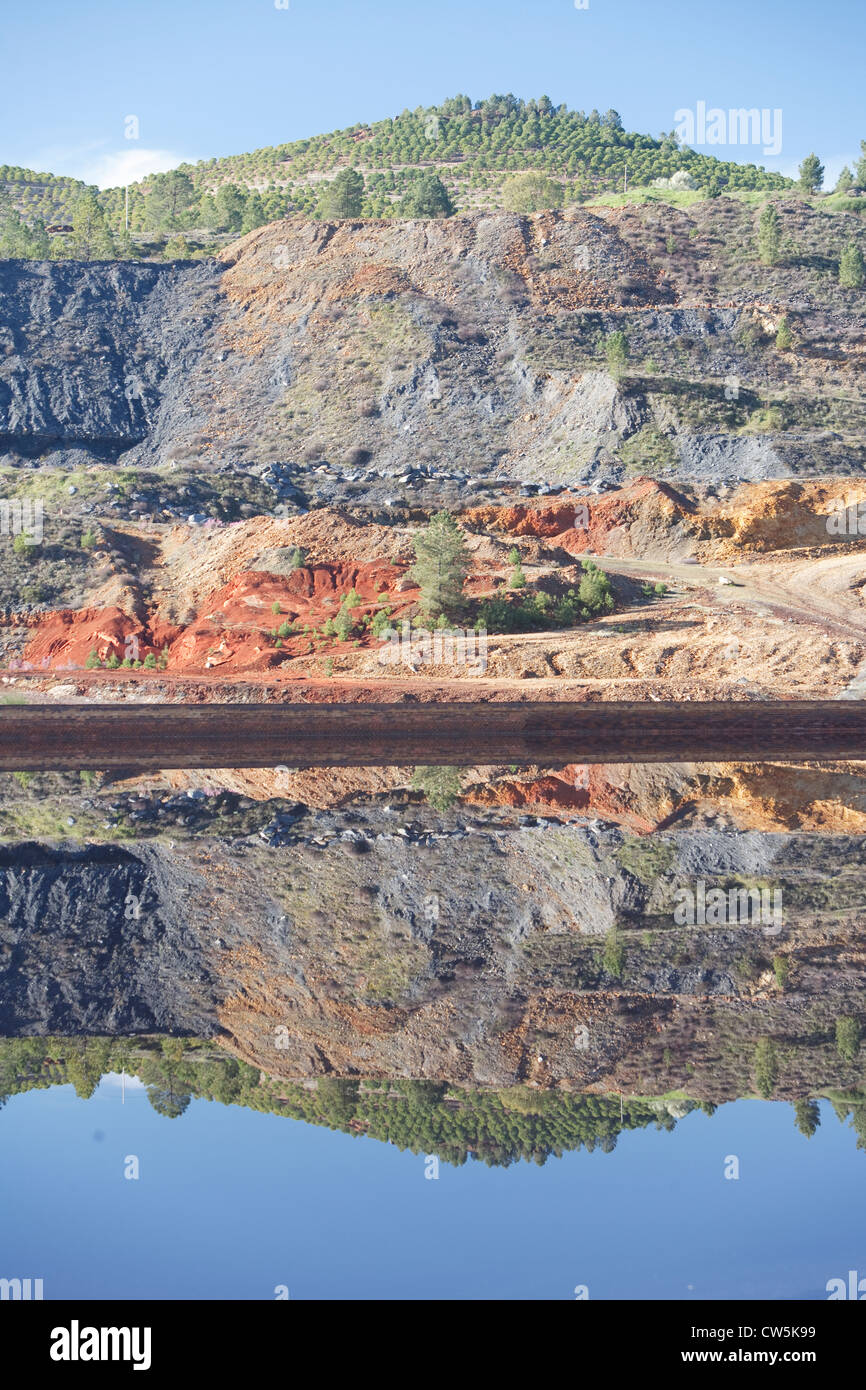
(583,525)
(574,788)
(235,627)
(66,638)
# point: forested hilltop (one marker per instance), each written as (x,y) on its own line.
(503,152)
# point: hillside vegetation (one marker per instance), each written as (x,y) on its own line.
(499,153)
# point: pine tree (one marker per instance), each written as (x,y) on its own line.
(169,201)
(427,197)
(807,1114)
(594,590)
(343,197)
(852,269)
(765,1065)
(616,352)
(343,623)
(847,1037)
(441,565)
(91,238)
(811,174)
(769,235)
(531,192)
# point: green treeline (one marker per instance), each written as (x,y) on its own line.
(494,1127)
(498,1128)
(431,162)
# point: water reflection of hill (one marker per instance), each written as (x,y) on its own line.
(496,1127)
(489,953)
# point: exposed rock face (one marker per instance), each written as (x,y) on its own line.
(96,938)
(93,352)
(400,358)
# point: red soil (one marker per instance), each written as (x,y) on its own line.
(575,788)
(67,637)
(583,525)
(233,628)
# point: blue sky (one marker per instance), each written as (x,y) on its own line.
(231,1204)
(211,77)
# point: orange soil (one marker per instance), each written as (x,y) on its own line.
(598,516)
(67,637)
(233,626)
(574,788)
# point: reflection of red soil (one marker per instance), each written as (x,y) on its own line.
(233,628)
(576,788)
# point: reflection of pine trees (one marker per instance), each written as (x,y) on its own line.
(168,1100)
(169,1078)
(87,1059)
(851,1103)
(495,1128)
(498,1128)
(807,1115)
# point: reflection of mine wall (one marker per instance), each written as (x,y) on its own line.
(480,960)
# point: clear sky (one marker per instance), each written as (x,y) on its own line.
(213,77)
(230,1204)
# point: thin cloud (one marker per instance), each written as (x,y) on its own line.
(94,163)
(128,166)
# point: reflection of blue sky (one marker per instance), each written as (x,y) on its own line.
(231,1203)
(117,1081)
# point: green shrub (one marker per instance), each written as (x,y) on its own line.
(440,785)
(765,1065)
(616,353)
(613,955)
(847,1038)
(23,546)
(852,268)
(343,623)
(594,591)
